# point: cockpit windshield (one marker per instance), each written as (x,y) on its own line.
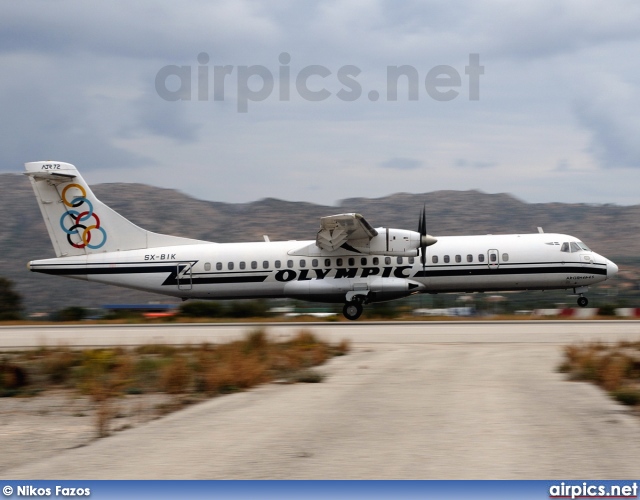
(574,246)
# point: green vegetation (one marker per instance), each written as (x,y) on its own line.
(615,368)
(10,301)
(187,372)
(72,313)
(233,309)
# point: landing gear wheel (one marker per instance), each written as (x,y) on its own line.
(583,302)
(352,310)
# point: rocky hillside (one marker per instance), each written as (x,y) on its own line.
(608,229)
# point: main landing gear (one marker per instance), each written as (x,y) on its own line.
(353,309)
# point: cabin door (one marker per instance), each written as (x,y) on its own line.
(493,258)
(183,276)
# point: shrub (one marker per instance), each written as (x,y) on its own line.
(201,309)
(73,313)
(607,310)
(10,301)
(57,366)
(627,396)
(12,376)
(175,376)
(308,376)
(247,309)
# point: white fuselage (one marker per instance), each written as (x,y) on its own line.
(301,270)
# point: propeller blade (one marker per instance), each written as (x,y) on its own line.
(422,229)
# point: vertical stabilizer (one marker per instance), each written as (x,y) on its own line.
(79,223)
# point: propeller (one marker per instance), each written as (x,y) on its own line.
(425,239)
(422,229)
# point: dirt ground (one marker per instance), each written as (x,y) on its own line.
(41,426)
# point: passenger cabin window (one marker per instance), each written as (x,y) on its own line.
(480,257)
(363,261)
(505,257)
(387,260)
(376,261)
(399,260)
(458,258)
(277,264)
(242,265)
(352,261)
(207,266)
(327,262)
(303,263)
(493,257)
(314,263)
(469,258)
(254,264)
(446,259)
(230,266)
(265,264)
(219,266)
(339,262)
(434,259)
(411,260)
(289,264)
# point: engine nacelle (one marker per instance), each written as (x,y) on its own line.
(397,242)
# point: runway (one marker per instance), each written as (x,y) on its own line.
(537,332)
(411,401)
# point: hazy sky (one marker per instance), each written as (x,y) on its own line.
(240,100)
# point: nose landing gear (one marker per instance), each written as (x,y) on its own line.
(582,300)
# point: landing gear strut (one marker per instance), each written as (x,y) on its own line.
(583,301)
(352,310)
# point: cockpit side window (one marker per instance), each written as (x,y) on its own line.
(565,247)
(583,246)
(574,247)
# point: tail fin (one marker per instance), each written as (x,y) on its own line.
(78,223)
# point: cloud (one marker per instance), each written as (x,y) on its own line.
(462,163)
(78,84)
(610,112)
(401,164)
(163,118)
(60,125)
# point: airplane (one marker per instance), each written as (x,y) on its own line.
(349,262)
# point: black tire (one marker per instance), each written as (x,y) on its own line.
(583,301)
(352,310)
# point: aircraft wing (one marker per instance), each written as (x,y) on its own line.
(336,230)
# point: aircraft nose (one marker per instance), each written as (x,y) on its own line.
(612,269)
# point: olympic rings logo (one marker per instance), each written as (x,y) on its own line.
(79,224)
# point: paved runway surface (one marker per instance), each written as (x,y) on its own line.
(370,332)
(420,401)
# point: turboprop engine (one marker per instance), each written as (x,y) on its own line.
(397,242)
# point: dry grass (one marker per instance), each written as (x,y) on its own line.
(615,368)
(188,373)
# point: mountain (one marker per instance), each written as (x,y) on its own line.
(608,229)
